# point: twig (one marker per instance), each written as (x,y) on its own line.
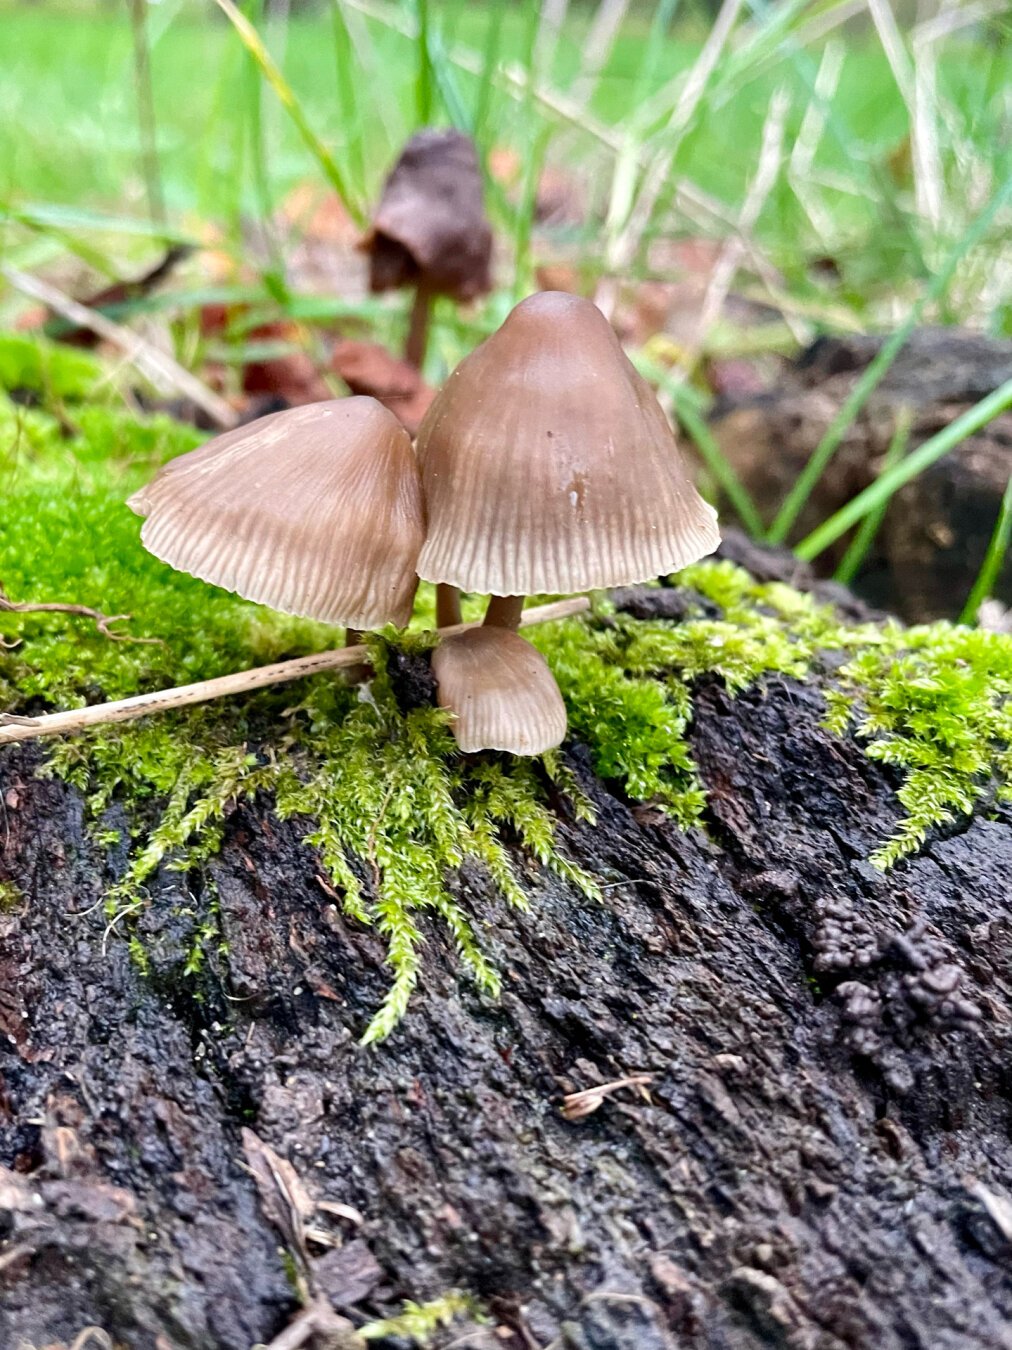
(164,373)
(576,1105)
(260,677)
(101,621)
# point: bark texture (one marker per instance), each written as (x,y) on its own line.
(822,1160)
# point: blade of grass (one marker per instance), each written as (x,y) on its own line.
(920,459)
(653,52)
(622,249)
(46,215)
(274,277)
(864,536)
(523,273)
(598,48)
(690,416)
(983,588)
(346,75)
(146,111)
(423,78)
(254,44)
(450,93)
(872,375)
(733,249)
(489,66)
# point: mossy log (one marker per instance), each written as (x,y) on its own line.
(821,1157)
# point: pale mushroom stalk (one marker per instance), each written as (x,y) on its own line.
(504,612)
(447,606)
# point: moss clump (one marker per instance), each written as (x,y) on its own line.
(419,1322)
(10,897)
(392,809)
(48,371)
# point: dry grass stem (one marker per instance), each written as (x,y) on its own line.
(576,1105)
(167,375)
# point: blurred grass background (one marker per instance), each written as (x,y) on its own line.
(888,141)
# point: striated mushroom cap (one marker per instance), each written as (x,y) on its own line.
(315,511)
(548,464)
(430,226)
(501,690)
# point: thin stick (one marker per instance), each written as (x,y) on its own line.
(103,622)
(164,373)
(281,672)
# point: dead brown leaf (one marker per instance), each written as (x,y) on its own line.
(368,368)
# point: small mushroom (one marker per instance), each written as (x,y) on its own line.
(548,466)
(430,230)
(501,691)
(314,511)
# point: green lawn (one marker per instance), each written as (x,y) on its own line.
(69,129)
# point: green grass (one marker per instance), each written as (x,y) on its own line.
(70,133)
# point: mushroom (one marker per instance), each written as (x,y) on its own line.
(430,229)
(501,691)
(314,511)
(548,466)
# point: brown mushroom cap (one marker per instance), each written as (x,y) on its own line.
(548,464)
(501,690)
(314,511)
(430,226)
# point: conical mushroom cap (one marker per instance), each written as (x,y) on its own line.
(430,226)
(548,464)
(314,511)
(502,692)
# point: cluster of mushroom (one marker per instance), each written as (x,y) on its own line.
(545,465)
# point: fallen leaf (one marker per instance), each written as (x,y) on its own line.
(368,368)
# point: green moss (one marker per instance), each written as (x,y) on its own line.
(391,808)
(44,368)
(419,1322)
(10,897)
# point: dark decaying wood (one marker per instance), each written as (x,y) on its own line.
(823,1158)
(935,533)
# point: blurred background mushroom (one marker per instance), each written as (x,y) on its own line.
(315,511)
(548,466)
(501,691)
(430,229)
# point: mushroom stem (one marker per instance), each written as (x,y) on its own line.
(418,327)
(504,612)
(447,605)
(362,670)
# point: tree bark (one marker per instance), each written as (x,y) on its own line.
(822,1157)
